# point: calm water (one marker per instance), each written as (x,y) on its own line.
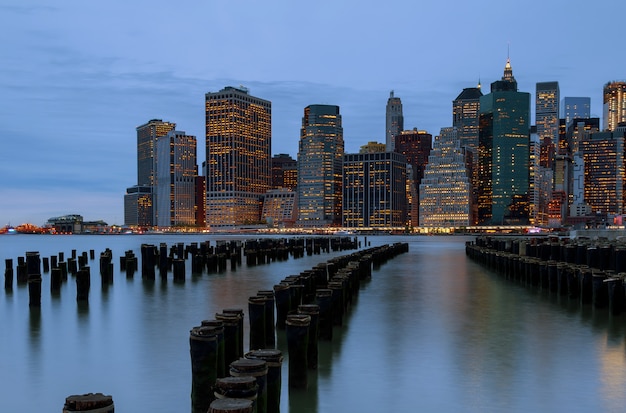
(431,332)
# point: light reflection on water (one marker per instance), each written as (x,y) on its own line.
(432,331)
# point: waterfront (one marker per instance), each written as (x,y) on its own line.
(432,331)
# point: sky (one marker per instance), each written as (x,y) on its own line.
(77,77)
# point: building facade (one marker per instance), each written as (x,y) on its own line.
(465,110)
(603,159)
(320,163)
(394,120)
(238,165)
(138,209)
(547,99)
(279,208)
(147,135)
(445,191)
(614,105)
(575,108)
(374,190)
(284,172)
(176,168)
(503,153)
(415,145)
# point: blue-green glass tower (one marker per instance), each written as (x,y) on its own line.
(503,153)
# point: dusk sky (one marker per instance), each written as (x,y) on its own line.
(77,77)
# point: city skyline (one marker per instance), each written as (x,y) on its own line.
(79,78)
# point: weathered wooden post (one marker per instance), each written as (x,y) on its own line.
(257,369)
(323,298)
(33,265)
(56,278)
(231,337)
(274,360)
(243,387)
(91,402)
(312,310)
(239,313)
(218,326)
(297,329)
(231,406)
(8,274)
(270,336)
(83,284)
(256,315)
(203,350)
(282,297)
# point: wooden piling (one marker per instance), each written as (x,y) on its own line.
(91,402)
(274,359)
(297,330)
(203,351)
(256,315)
(231,406)
(312,310)
(258,369)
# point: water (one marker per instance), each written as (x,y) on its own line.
(432,331)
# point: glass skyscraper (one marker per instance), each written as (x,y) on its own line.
(320,162)
(575,108)
(238,162)
(147,135)
(503,153)
(465,110)
(176,168)
(614,108)
(547,111)
(394,121)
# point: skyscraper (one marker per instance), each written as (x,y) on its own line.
(394,122)
(320,162)
(575,108)
(465,110)
(614,108)
(138,200)
(415,145)
(547,111)
(175,184)
(603,159)
(374,190)
(238,166)
(445,191)
(503,153)
(147,135)
(284,172)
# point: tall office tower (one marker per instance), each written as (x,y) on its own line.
(503,153)
(465,110)
(445,191)
(415,145)
(394,122)
(284,172)
(320,163)
(575,107)
(238,165)
(603,159)
(176,168)
(412,200)
(147,135)
(138,206)
(547,101)
(614,108)
(374,190)
(541,178)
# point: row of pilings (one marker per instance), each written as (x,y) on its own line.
(164,259)
(304,307)
(590,271)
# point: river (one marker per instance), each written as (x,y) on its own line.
(432,332)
